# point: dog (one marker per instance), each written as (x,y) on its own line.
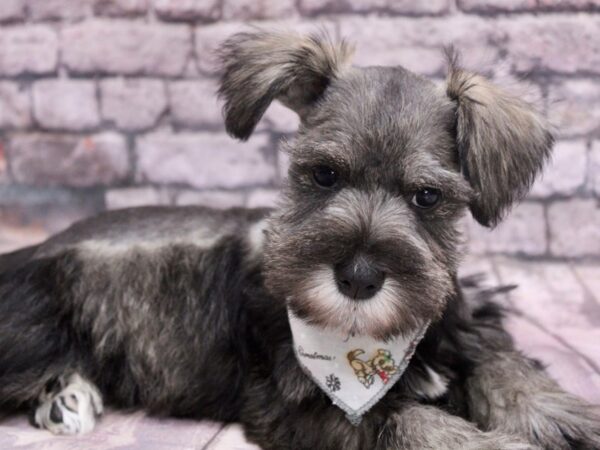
(363,370)
(382,365)
(186,311)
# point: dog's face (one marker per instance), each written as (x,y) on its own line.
(383,361)
(384,165)
(366,238)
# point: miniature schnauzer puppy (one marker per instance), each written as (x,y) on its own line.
(185,311)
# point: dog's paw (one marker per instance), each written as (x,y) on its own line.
(511,394)
(71,409)
(562,421)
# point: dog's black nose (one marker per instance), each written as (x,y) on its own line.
(358,278)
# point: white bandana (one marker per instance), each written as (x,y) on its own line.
(354,371)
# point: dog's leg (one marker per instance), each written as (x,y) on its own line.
(71,407)
(511,393)
(422,427)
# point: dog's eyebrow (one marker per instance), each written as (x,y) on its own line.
(323,152)
(449,182)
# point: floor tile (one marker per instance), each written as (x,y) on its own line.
(231,438)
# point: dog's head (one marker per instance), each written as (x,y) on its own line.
(383,361)
(383,166)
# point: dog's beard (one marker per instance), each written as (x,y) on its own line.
(385,315)
(300,256)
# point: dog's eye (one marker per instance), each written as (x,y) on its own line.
(324,176)
(427,198)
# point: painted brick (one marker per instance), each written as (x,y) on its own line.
(136,196)
(594,168)
(522,232)
(120,7)
(11,10)
(212,199)
(4,177)
(14,236)
(194,103)
(493,6)
(14,106)
(207,39)
(574,229)
(422,60)
(570,5)
(30,211)
(408,7)
(566,172)
(66,104)
(59,9)
(258,9)
(417,43)
(262,198)
(574,106)
(562,44)
(30,49)
(204,160)
(54,160)
(125,47)
(155,47)
(133,104)
(207,10)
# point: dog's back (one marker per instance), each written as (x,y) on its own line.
(17,258)
(147,298)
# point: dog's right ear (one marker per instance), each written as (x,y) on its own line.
(258,67)
(502,141)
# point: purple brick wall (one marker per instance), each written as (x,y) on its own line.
(110,103)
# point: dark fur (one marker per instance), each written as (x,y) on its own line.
(182,311)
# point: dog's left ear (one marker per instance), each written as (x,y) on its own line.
(502,142)
(258,67)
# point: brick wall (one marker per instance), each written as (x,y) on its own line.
(110,103)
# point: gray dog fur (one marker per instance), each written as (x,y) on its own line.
(182,311)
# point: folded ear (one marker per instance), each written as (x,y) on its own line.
(258,67)
(502,142)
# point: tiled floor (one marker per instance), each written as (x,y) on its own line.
(555,317)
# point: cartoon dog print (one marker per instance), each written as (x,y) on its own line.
(382,364)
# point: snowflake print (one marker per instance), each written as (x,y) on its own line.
(333,383)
